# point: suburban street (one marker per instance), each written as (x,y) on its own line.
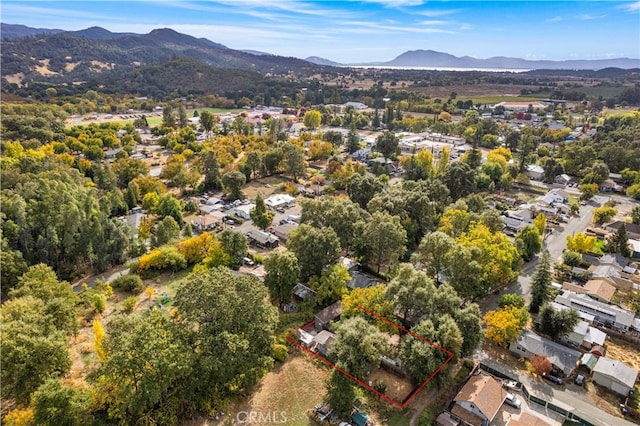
(555,243)
(571,397)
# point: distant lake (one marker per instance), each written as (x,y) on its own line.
(389,67)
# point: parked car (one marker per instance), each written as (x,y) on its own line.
(512,400)
(555,379)
(579,380)
(248,261)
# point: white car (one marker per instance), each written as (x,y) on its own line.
(512,400)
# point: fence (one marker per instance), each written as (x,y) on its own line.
(571,418)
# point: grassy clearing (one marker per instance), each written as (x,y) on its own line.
(289,390)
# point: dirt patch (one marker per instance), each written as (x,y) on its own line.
(267,186)
(624,353)
(289,390)
(397,388)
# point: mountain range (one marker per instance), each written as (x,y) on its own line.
(64,56)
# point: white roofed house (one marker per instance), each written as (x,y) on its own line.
(614,375)
(280,201)
(534,172)
(244,211)
(563,359)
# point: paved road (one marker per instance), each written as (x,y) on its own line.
(555,243)
(570,396)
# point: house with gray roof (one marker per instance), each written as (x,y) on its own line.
(614,375)
(603,313)
(563,359)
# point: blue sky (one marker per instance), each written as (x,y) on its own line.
(361,31)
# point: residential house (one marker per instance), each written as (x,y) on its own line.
(614,375)
(331,313)
(243,211)
(361,154)
(633,230)
(584,335)
(362,280)
(301,292)
(603,313)
(261,239)
(562,179)
(634,246)
(600,290)
(280,201)
(547,200)
(204,223)
(357,105)
(563,359)
(608,186)
(322,341)
(479,400)
(534,172)
(559,195)
(613,275)
(283,231)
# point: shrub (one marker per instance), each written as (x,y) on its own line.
(99,303)
(130,283)
(280,352)
(129,304)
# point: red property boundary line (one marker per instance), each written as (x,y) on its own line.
(365,385)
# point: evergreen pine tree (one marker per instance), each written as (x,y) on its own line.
(541,283)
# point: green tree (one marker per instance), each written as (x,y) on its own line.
(358,346)
(207,121)
(588,190)
(282,275)
(362,188)
(541,283)
(145,363)
(230,327)
(331,285)
(511,299)
(312,119)
(166,231)
(235,245)
(168,205)
(387,144)
(294,163)
(558,323)
(385,239)
(314,248)
(619,242)
(340,392)
(211,171)
(260,216)
(460,180)
(233,183)
(58,296)
(168,116)
(635,215)
(343,216)
(529,242)
(57,404)
(412,293)
(436,252)
(33,350)
(353,140)
(470,324)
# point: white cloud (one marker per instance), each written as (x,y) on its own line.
(394,3)
(555,19)
(587,17)
(631,7)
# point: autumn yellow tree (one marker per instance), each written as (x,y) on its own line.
(540,223)
(195,249)
(581,243)
(98,339)
(505,325)
(372,299)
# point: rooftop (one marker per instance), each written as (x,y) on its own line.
(484,392)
